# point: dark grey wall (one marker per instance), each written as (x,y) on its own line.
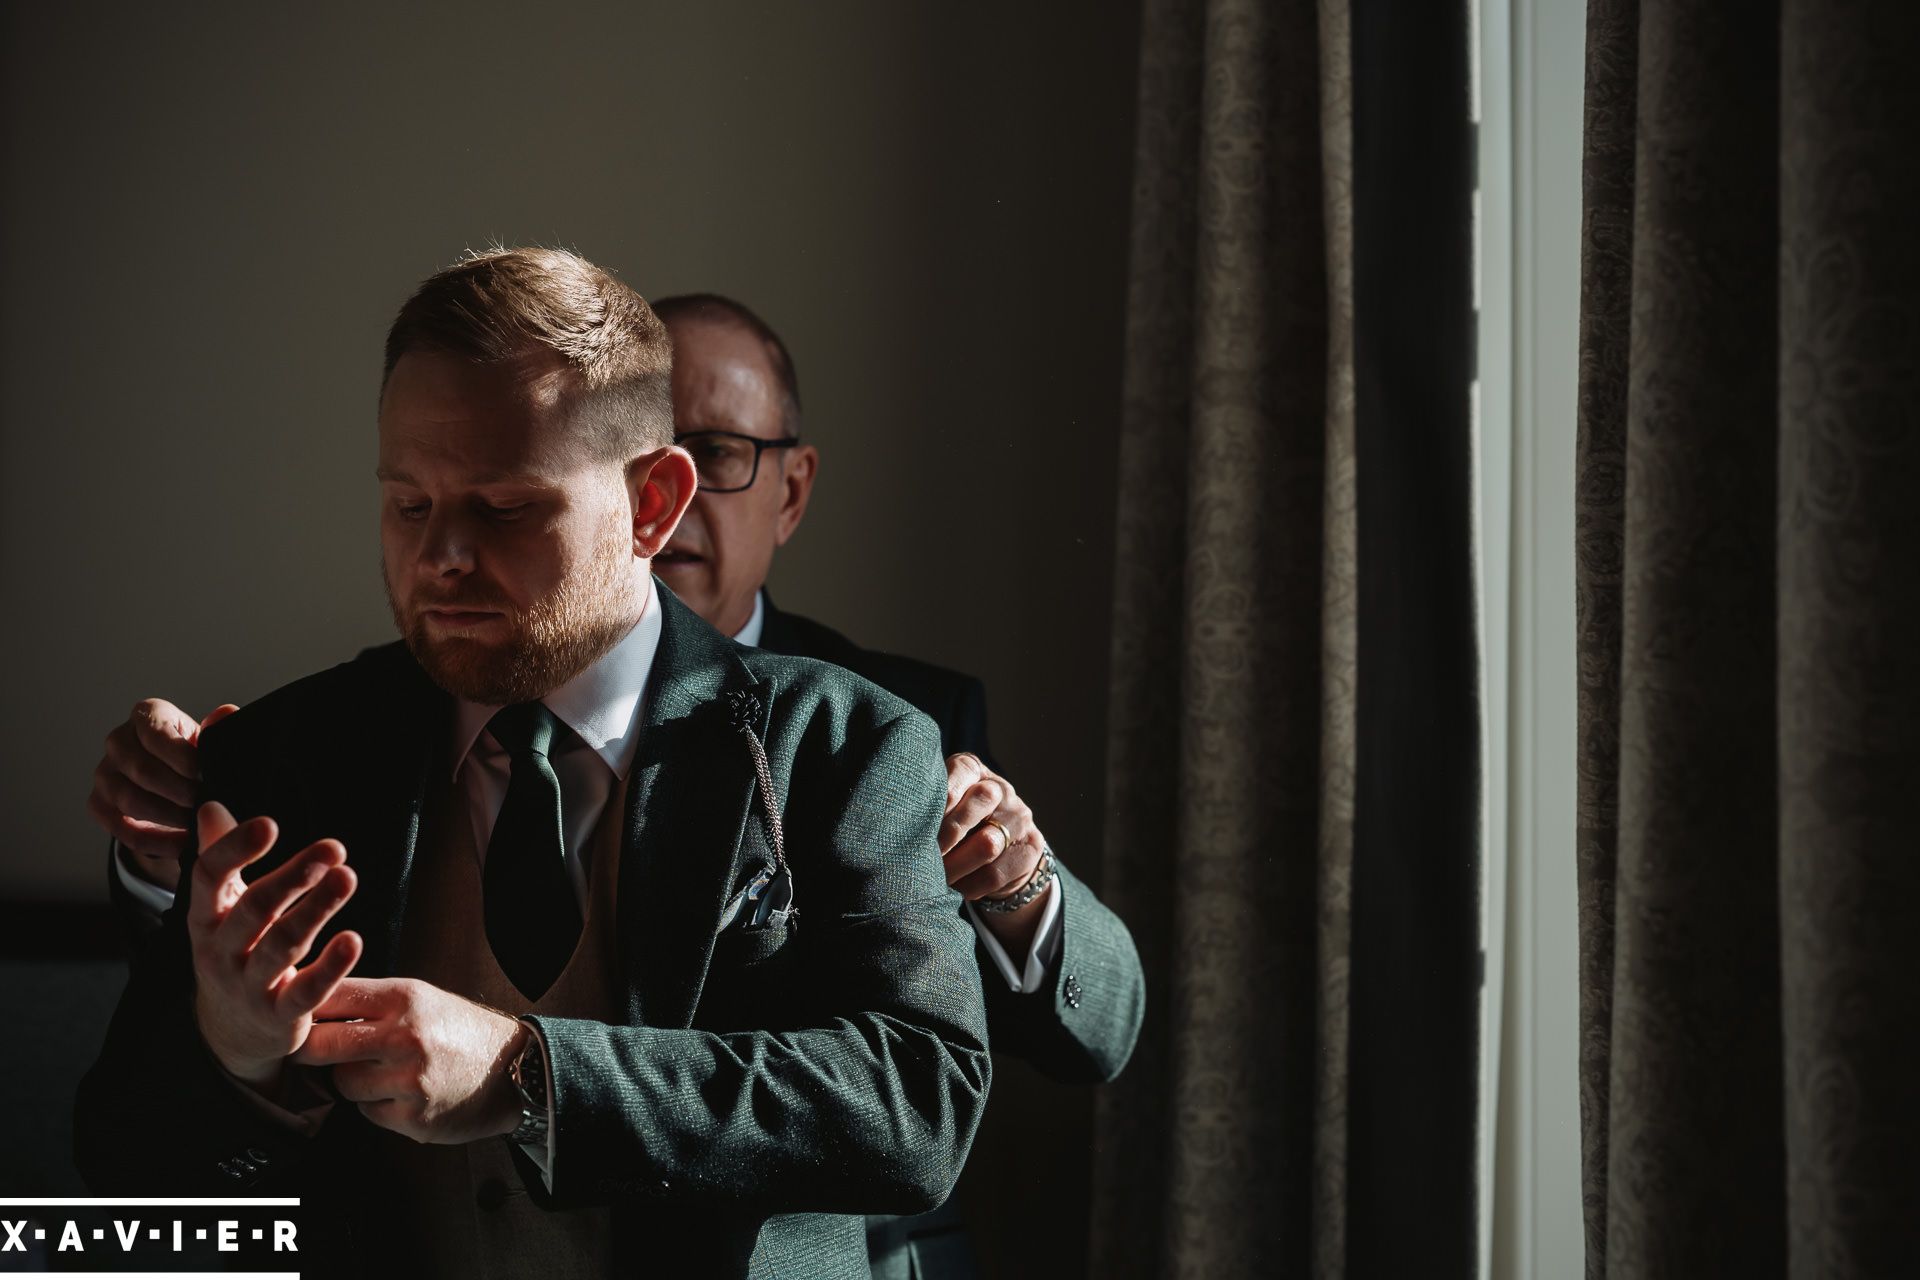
(211,212)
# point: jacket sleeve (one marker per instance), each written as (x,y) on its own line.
(155,1115)
(1081,1028)
(864,1095)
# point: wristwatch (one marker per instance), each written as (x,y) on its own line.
(529,1075)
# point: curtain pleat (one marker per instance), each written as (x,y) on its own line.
(1228,1147)
(1746,466)
(1849,633)
(1207,1144)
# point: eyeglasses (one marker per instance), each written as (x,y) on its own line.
(727,461)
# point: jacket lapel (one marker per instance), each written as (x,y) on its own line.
(688,800)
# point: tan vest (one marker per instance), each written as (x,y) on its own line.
(469,1200)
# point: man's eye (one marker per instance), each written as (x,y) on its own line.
(509,512)
(411,510)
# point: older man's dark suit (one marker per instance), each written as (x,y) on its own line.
(761,1085)
(1082,1029)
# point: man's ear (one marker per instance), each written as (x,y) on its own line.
(796,480)
(660,486)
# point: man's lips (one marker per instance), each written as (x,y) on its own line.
(448,616)
(678,555)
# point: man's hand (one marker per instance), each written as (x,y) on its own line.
(988,861)
(423,1062)
(144,786)
(252,1004)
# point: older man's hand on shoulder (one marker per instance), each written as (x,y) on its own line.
(992,849)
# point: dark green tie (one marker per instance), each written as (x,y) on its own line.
(533,920)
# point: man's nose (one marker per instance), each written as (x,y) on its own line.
(695,519)
(446,550)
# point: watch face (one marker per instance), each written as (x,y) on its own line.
(531,1129)
(529,1074)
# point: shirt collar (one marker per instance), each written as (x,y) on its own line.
(601,704)
(749,635)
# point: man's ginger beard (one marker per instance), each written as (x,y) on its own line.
(550,642)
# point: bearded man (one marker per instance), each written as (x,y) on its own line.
(491,949)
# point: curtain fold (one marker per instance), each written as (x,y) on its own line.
(1206,1146)
(1269,1110)
(1749,713)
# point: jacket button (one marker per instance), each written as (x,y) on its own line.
(491,1194)
(1071,990)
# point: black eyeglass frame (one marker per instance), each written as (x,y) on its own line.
(759,447)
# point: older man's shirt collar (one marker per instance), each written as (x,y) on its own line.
(749,635)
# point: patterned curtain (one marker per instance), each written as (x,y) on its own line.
(1293,742)
(1749,622)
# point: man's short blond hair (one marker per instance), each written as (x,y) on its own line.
(505,305)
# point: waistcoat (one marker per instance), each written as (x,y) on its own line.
(469,1201)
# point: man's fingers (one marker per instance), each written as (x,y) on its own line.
(331,1043)
(232,846)
(963,770)
(224,849)
(261,902)
(312,986)
(122,795)
(997,878)
(972,853)
(148,839)
(129,753)
(165,734)
(212,822)
(214,717)
(153,843)
(289,938)
(362,998)
(978,802)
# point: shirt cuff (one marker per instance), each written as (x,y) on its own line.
(305,1107)
(541,1153)
(1032,976)
(144,892)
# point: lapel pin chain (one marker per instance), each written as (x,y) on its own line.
(770,896)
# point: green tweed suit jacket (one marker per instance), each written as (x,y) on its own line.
(763,1090)
(1081,1029)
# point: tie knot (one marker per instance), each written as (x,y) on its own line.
(524,729)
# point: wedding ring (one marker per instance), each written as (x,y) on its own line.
(1006,836)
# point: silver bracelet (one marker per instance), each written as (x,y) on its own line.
(1035,886)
